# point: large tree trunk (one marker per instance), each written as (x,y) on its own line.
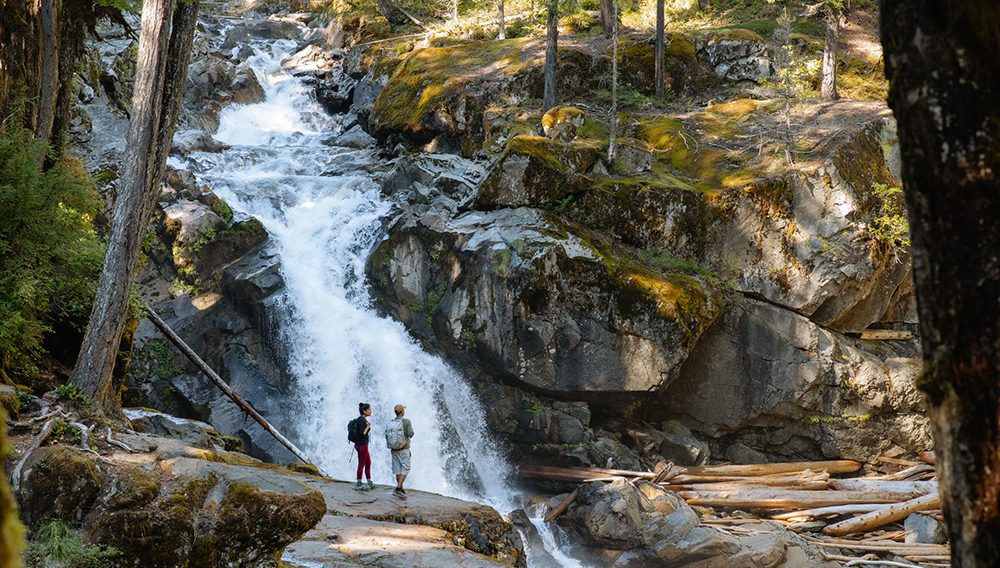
(660,48)
(20,56)
(48,88)
(551,55)
(502,34)
(161,69)
(828,89)
(606,19)
(944,84)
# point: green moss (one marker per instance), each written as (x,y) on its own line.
(428,78)
(734,34)
(63,484)
(681,48)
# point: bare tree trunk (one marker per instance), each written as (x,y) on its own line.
(391,12)
(606,23)
(613,126)
(949,135)
(49,84)
(454,10)
(161,69)
(502,34)
(828,89)
(658,62)
(551,55)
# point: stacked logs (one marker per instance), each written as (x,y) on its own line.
(803,496)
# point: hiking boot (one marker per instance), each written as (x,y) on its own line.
(358,486)
(370,485)
(397,492)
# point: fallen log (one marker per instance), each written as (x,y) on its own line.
(560,508)
(834,511)
(224,387)
(803,485)
(884,516)
(790,498)
(866,484)
(898,548)
(910,472)
(750,470)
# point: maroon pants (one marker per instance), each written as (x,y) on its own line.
(364,462)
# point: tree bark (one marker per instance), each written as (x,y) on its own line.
(391,12)
(48,87)
(613,126)
(944,85)
(828,88)
(606,18)
(551,55)
(660,48)
(161,69)
(502,34)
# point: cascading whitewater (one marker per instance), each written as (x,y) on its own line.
(341,351)
(324,215)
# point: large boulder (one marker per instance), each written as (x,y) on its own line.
(536,171)
(648,526)
(735,54)
(540,304)
(769,378)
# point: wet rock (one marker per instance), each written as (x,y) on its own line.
(215,82)
(353,138)
(335,90)
(311,60)
(272,29)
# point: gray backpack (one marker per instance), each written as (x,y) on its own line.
(395,438)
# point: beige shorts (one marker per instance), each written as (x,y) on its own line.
(401,462)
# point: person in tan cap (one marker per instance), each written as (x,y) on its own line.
(397,437)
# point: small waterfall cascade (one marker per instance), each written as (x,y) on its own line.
(325,213)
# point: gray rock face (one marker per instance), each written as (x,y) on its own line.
(536,304)
(762,366)
(215,82)
(735,55)
(648,526)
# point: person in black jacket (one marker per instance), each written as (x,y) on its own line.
(357,432)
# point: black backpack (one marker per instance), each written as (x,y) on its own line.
(355,429)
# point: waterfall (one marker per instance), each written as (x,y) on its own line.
(324,216)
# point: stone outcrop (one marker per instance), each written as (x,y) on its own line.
(735,54)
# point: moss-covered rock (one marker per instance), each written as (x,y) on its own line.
(441,94)
(682,71)
(562,122)
(534,170)
(60,483)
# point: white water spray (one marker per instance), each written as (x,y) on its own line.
(324,225)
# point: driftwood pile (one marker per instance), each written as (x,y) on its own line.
(846,513)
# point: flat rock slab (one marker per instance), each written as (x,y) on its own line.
(344,541)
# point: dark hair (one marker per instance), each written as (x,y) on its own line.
(362,407)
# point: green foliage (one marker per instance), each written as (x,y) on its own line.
(65,433)
(160,357)
(207,237)
(49,254)
(57,544)
(630,97)
(132,6)
(890,226)
(72,393)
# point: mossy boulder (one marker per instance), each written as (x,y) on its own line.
(562,122)
(252,524)
(544,303)
(440,94)
(59,483)
(682,71)
(535,170)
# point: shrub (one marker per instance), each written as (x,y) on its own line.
(49,254)
(58,544)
